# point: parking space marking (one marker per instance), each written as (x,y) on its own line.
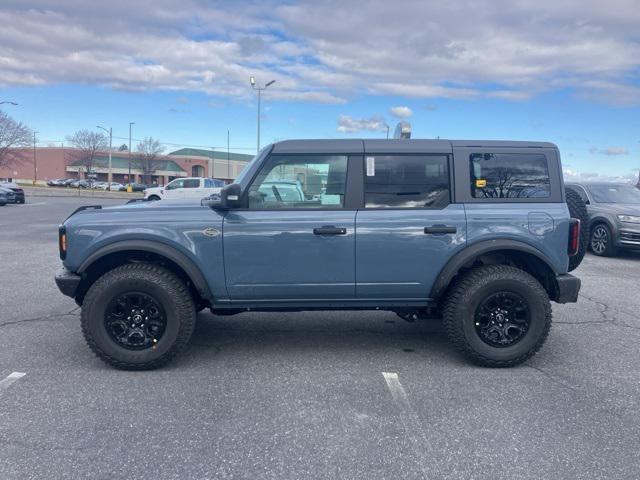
(10,379)
(410,421)
(34,204)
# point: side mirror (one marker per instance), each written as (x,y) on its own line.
(228,198)
(231,195)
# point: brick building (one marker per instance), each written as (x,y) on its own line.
(58,162)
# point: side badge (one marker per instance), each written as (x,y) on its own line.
(210,232)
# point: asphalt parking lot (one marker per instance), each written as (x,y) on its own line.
(311,395)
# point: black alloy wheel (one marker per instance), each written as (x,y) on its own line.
(502,319)
(135,320)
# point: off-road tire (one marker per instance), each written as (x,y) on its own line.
(166,288)
(578,209)
(464,297)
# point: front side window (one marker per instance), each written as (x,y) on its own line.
(406,181)
(509,175)
(300,181)
(175,184)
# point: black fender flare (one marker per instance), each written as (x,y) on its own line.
(171,253)
(472,251)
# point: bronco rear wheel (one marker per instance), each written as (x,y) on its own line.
(138,316)
(497,315)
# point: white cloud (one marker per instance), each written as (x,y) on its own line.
(348,124)
(571,175)
(610,152)
(464,50)
(401,112)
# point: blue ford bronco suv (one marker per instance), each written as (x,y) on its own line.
(478,233)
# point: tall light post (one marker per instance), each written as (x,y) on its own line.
(9,102)
(129,177)
(257,87)
(110,132)
(35,159)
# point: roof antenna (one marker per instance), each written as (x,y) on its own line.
(403,130)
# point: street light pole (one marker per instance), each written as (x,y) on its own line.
(129,177)
(35,160)
(257,87)
(9,102)
(110,132)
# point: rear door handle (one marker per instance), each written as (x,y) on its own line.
(439,230)
(329,230)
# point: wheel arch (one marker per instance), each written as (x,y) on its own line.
(508,252)
(128,251)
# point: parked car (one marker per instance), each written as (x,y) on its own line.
(136,187)
(438,234)
(56,182)
(9,194)
(99,185)
(3,198)
(17,190)
(115,186)
(614,215)
(191,187)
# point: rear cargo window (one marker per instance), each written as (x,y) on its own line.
(509,175)
(406,181)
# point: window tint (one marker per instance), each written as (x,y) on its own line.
(300,181)
(509,175)
(192,183)
(406,181)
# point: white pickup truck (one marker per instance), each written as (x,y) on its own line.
(190,187)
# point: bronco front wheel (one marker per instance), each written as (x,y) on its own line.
(138,316)
(497,315)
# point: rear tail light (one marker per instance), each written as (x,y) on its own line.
(62,241)
(574,237)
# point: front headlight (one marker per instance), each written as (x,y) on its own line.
(629,218)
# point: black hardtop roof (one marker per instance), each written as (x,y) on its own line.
(394,145)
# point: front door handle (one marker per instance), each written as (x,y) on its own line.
(439,229)
(329,230)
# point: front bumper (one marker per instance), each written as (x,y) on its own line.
(629,237)
(68,282)
(568,288)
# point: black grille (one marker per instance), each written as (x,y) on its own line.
(630,236)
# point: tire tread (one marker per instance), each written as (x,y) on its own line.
(160,275)
(464,287)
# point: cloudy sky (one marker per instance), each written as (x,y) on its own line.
(567,72)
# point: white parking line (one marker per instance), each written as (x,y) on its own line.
(34,204)
(10,379)
(411,424)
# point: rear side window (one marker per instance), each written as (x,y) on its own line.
(509,175)
(406,181)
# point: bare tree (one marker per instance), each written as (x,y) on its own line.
(13,137)
(87,145)
(148,157)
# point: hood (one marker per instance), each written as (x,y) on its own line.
(620,208)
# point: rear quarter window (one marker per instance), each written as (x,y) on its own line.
(509,175)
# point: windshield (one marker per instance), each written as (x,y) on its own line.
(615,194)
